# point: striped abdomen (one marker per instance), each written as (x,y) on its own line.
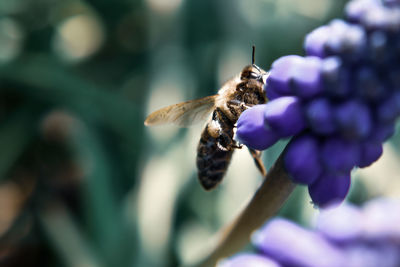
(212,160)
(215,150)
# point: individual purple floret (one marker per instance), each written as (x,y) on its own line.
(382,132)
(319,113)
(315,42)
(377,45)
(389,109)
(280,76)
(335,78)
(251,130)
(284,116)
(353,119)
(375,14)
(370,152)
(346,236)
(329,189)
(302,159)
(369,86)
(306,78)
(344,95)
(337,38)
(339,155)
(357,9)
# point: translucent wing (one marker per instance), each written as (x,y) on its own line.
(183,114)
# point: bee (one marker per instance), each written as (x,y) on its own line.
(217,142)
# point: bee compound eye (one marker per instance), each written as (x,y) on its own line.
(254,75)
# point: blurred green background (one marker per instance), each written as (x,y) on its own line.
(82,182)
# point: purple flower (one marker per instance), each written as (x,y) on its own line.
(344,95)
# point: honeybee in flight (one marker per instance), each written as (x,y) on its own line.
(217,143)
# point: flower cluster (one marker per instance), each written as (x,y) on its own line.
(345,236)
(339,102)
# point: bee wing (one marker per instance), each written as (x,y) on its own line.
(183,114)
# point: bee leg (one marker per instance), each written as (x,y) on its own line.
(239,103)
(256,154)
(237,145)
(224,142)
(234,102)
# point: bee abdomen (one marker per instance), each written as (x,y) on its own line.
(212,161)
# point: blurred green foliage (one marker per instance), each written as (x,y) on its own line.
(82,182)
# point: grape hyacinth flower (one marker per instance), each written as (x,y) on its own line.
(339,103)
(346,236)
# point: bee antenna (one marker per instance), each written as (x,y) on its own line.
(253,55)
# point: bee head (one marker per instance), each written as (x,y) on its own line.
(253,72)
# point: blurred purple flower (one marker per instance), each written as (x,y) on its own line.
(346,236)
(333,223)
(292,245)
(249,260)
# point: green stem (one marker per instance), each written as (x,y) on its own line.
(266,202)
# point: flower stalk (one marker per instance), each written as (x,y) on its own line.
(266,202)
